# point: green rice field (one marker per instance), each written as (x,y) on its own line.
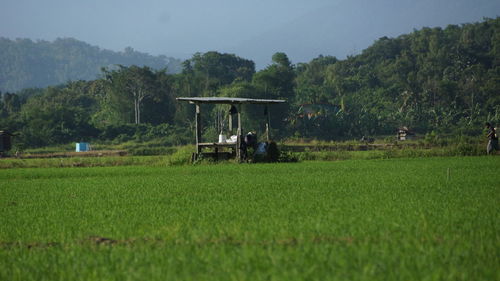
(395,219)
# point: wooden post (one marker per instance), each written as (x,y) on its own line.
(238,142)
(268,122)
(198,129)
(230,125)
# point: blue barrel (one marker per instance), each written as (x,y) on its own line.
(82,146)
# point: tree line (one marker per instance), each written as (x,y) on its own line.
(445,80)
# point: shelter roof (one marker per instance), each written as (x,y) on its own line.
(228,100)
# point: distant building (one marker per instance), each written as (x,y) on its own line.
(405,134)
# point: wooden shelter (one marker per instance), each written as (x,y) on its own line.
(235,103)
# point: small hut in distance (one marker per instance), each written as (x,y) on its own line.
(234,145)
(5,142)
(404,134)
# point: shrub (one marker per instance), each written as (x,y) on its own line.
(273,153)
(144,151)
(464,149)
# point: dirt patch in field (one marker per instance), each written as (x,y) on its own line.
(100,240)
(95,153)
(227,240)
(350,147)
(31,245)
(331,239)
(95,240)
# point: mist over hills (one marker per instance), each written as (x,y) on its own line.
(347,27)
(25,63)
(339,28)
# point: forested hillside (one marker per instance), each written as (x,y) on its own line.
(25,63)
(443,80)
(432,79)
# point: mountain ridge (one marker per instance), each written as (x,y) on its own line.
(26,63)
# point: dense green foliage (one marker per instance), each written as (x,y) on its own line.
(405,219)
(27,64)
(442,80)
(432,79)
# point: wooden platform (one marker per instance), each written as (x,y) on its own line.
(236,104)
(217,145)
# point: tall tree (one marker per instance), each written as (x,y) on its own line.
(131,85)
(277,81)
(214,70)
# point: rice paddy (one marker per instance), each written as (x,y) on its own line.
(397,219)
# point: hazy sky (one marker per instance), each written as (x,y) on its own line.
(254,29)
(155,26)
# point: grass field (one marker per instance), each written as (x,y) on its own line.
(396,219)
